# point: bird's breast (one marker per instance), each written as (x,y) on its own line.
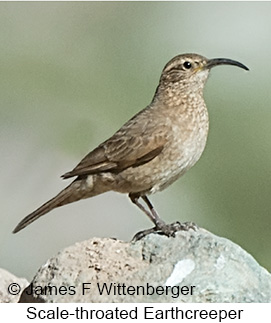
(187,136)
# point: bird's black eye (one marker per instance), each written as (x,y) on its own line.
(187,65)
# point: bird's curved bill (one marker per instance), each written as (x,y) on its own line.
(224,61)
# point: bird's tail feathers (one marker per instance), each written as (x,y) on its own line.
(71,193)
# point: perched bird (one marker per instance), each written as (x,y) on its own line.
(153,149)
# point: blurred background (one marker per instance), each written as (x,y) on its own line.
(73,73)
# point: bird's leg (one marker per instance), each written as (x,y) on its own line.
(159,223)
(152,215)
(160,226)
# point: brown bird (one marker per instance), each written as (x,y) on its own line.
(153,149)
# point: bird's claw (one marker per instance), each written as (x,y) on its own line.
(168,230)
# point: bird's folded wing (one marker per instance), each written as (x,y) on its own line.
(118,153)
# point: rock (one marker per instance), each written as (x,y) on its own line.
(9,285)
(195,266)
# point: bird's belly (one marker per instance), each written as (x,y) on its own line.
(175,168)
(163,170)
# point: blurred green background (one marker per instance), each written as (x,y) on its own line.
(72,73)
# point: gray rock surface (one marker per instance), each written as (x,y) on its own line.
(10,285)
(192,267)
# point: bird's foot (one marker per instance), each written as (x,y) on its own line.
(168,230)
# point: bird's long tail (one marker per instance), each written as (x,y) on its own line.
(74,192)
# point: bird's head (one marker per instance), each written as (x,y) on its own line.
(191,71)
